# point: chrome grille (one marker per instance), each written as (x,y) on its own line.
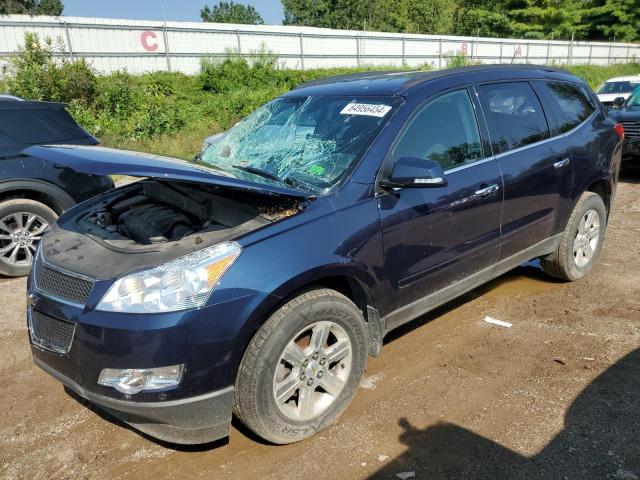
(61,285)
(631,130)
(51,333)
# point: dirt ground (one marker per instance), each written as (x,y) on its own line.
(557,396)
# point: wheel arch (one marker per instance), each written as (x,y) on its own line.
(603,188)
(350,281)
(44,192)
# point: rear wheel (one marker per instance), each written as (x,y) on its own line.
(302,367)
(581,241)
(22,224)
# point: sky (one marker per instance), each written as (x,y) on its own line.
(176,10)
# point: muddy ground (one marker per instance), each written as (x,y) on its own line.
(555,396)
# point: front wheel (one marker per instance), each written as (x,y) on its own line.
(22,224)
(302,367)
(581,241)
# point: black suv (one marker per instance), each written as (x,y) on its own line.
(627,113)
(34,191)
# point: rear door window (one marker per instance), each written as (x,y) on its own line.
(569,103)
(515,115)
(444,130)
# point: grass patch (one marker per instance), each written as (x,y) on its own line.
(185,144)
(595,75)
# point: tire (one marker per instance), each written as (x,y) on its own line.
(265,364)
(29,217)
(566,262)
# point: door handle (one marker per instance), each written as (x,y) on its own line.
(486,191)
(561,163)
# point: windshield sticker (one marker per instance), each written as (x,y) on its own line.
(316,170)
(368,109)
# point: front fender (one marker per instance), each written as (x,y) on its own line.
(62,199)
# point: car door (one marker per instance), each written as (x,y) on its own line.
(585,134)
(536,167)
(434,237)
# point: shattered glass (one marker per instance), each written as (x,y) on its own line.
(305,142)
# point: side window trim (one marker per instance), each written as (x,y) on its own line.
(483,130)
(483,127)
(545,101)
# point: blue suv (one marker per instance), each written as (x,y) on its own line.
(256,280)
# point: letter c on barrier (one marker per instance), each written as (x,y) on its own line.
(148,45)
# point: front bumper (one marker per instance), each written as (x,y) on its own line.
(209,342)
(194,420)
(631,149)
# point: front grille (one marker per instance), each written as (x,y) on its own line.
(631,130)
(51,333)
(61,285)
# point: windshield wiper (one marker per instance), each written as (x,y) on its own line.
(258,171)
(269,175)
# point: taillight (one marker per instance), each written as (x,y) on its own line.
(619,130)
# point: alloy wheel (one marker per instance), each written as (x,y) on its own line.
(20,234)
(587,237)
(312,371)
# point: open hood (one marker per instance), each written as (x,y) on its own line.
(109,161)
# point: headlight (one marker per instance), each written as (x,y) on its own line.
(183,283)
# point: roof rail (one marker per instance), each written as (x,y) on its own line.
(6,96)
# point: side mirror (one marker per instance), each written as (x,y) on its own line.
(618,102)
(413,172)
(212,140)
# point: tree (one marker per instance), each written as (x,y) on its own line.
(231,12)
(31,7)
(619,19)
(407,16)
(541,19)
(536,19)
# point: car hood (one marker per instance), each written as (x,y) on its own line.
(630,114)
(109,161)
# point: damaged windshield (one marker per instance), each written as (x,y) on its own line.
(304,142)
(634,99)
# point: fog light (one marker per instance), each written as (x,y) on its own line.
(135,380)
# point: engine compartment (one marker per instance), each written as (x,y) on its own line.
(152,212)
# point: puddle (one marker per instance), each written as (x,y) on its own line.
(529,279)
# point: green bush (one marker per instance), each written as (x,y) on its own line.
(33,73)
(225,76)
(459,60)
(118,95)
(76,82)
(159,116)
(32,70)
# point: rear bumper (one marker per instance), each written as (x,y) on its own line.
(194,420)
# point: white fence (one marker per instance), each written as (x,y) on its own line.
(142,46)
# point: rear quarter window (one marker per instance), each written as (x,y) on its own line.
(36,126)
(569,103)
(515,115)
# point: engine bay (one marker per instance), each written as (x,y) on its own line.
(151,212)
